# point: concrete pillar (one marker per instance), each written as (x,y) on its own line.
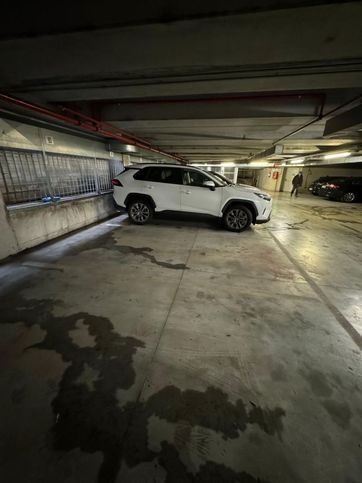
(236,172)
(8,242)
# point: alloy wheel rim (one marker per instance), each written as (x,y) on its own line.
(237,219)
(349,196)
(140,212)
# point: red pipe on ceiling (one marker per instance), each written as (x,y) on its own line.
(91,125)
(104,124)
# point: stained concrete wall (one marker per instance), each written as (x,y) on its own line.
(26,227)
(8,242)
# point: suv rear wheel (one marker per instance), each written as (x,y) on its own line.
(349,197)
(140,211)
(237,218)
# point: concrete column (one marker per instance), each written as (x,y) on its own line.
(8,242)
(236,172)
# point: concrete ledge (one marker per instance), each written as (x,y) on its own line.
(37,224)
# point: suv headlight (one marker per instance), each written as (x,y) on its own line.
(264,196)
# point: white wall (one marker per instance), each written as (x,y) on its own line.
(14,134)
(266,180)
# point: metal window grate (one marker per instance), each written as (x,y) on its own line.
(29,176)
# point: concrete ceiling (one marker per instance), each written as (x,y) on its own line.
(215,83)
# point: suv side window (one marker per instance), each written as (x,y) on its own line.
(164,175)
(194,178)
(141,174)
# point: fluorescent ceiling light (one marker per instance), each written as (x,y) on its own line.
(228,164)
(260,163)
(297,160)
(343,154)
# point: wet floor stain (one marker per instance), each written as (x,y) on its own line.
(332,214)
(297,225)
(208,472)
(89,416)
(108,242)
(85,417)
(210,409)
(145,252)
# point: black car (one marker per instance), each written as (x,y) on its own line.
(318,187)
(345,189)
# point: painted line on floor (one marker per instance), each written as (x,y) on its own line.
(162,329)
(341,319)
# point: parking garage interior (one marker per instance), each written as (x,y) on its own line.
(177,351)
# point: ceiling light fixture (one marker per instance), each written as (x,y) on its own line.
(228,164)
(343,154)
(259,164)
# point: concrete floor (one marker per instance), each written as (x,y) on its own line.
(178,352)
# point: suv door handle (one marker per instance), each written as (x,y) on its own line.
(150,187)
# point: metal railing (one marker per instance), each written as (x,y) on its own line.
(29,176)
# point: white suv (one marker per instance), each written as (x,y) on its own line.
(145,189)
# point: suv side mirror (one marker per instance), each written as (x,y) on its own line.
(209,184)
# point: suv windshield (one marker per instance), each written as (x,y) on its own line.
(218,180)
(223,178)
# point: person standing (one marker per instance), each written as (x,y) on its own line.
(297,183)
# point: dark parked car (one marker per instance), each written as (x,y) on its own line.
(318,187)
(345,189)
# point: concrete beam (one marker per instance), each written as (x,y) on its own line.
(114,14)
(221,54)
(214,108)
(346,120)
(277,79)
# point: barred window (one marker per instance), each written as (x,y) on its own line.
(30,176)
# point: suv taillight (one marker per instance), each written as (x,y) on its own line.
(116,182)
(334,186)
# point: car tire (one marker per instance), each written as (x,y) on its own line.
(237,218)
(349,197)
(140,211)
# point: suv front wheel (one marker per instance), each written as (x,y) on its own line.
(140,212)
(237,218)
